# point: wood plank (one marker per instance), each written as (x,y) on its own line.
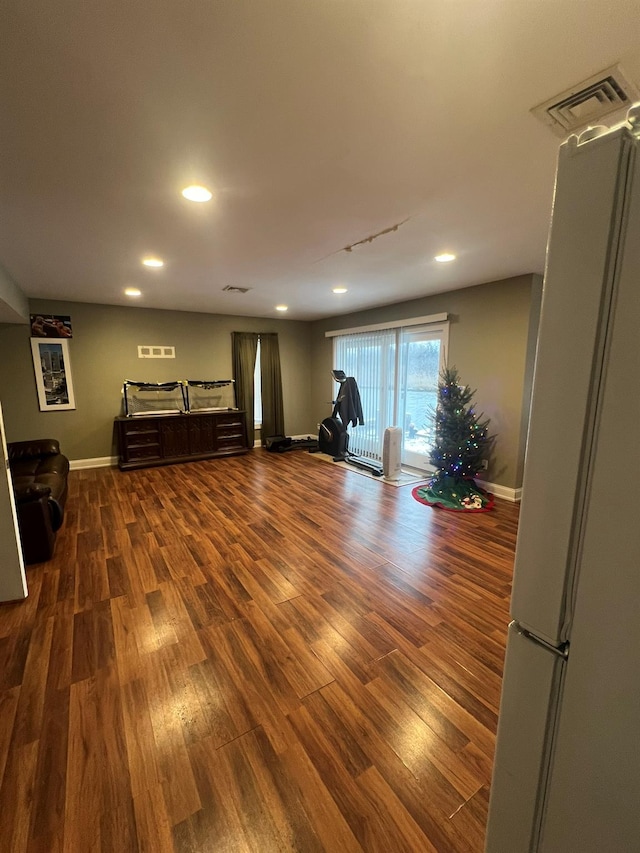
(244,798)
(93,641)
(280,795)
(357,810)
(14,649)
(256,699)
(435,703)
(339,739)
(152,821)
(138,731)
(16,796)
(50,782)
(117,818)
(128,660)
(471,818)
(8,707)
(83,802)
(219,818)
(30,711)
(177,616)
(428,799)
(399,831)
(190,673)
(180,791)
(425,743)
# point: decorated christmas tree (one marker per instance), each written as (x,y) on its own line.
(461,444)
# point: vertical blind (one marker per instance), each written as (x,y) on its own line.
(371,358)
(397,373)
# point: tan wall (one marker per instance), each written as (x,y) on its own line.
(103,353)
(488,343)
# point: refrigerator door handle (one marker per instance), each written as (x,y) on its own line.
(562,650)
(532,690)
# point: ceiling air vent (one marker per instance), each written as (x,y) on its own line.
(231,289)
(587,103)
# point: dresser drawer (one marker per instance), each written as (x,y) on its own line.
(230,419)
(229,429)
(143,451)
(137,439)
(232,440)
(145,427)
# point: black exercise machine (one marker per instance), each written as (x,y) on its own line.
(333,438)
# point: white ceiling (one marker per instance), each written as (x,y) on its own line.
(316,122)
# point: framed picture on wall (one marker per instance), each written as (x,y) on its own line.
(51,326)
(53,374)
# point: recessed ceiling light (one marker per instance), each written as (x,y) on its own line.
(282,307)
(339,289)
(197,193)
(132,291)
(445,257)
(152,262)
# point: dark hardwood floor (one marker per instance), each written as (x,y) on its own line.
(256,653)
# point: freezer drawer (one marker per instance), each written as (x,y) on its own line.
(531,690)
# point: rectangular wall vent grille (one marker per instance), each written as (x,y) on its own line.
(156,352)
(588,102)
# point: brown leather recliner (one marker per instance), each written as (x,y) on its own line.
(39,473)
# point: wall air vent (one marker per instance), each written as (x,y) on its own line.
(231,289)
(588,102)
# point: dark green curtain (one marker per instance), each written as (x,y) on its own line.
(244,346)
(271,379)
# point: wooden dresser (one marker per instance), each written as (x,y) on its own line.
(149,440)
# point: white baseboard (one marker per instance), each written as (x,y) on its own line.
(504,492)
(98,462)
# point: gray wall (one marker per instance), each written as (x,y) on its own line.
(489,343)
(103,353)
(14,307)
(492,337)
(527,385)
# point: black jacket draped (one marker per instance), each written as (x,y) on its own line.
(348,405)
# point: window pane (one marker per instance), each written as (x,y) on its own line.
(420,393)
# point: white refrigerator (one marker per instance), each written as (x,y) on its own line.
(567,766)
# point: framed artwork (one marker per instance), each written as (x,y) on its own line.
(50,326)
(53,374)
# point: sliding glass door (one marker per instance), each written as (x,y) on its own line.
(417,392)
(370,357)
(397,373)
